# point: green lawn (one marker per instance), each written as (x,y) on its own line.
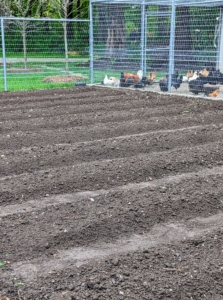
(21,81)
(18,81)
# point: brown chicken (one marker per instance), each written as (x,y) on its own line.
(151,77)
(134,77)
(190,74)
(204,72)
(128,79)
(214,94)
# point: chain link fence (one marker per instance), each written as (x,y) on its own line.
(168,37)
(43,53)
(165,37)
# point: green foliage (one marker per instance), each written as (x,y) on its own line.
(204,19)
(48,38)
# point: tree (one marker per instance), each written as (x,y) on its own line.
(5,8)
(68,9)
(63,9)
(76,9)
(116,32)
(102,23)
(24,9)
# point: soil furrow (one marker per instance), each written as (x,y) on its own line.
(58,105)
(110,194)
(36,158)
(174,269)
(73,117)
(63,199)
(64,106)
(19,139)
(81,96)
(89,217)
(109,173)
(160,234)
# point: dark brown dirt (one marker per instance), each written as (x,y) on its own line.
(110,194)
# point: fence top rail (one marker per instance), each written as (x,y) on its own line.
(44,19)
(164,2)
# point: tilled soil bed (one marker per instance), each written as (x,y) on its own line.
(110,194)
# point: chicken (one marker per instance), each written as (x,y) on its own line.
(187,76)
(151,77)
(141,83)
(196,86)
(204,72)
(211,90)
(107,81)
(163,84)
(116,81)
(211,78)
(129,75)
(126,82)
(218,75)
(128,79)
(145,81)
(190,73)
(214,94)
(195,76)
(140,74)
(175,82)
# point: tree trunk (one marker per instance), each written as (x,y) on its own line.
(24,43)
(70,30)
(66,48)
(116,33)
(102,23)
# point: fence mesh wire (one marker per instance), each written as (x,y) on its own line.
(127,38)
(45,53)
(117,39)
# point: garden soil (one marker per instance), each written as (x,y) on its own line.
(110,194)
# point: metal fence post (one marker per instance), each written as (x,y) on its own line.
(3,54)
(91,43)
(145,44)
(219,38)
(172,41)
(143,36)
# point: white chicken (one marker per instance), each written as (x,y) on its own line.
(195,76)
(140,74)
(188,75)
(185,78)
(107,81)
